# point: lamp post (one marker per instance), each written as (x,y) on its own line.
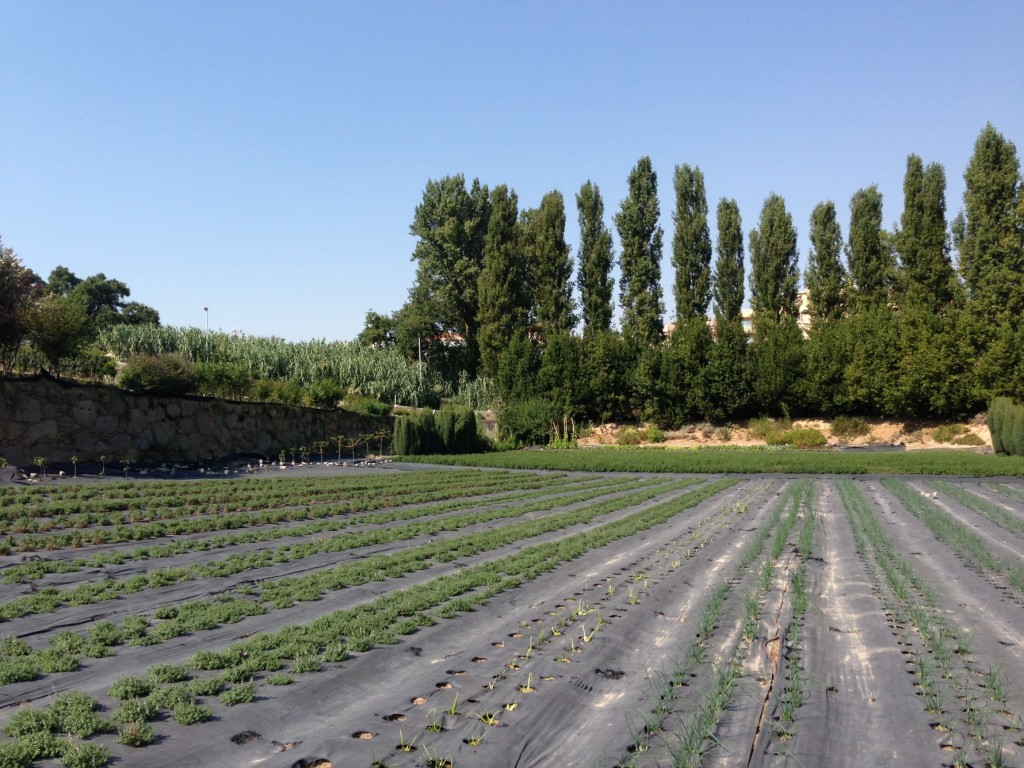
(207,311)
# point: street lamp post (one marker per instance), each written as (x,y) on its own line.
(207,311)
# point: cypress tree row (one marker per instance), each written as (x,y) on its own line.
(595,261)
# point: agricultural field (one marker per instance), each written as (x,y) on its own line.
(426,616)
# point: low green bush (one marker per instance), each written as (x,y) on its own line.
(130,688)
(367,406)
(1006,425)
(159,375)
(168,673)
(947,433)
(805,437)
(190,713)
(655,435)
(239,694)
(135,734)
(969,438)
(846,427)
(84,755)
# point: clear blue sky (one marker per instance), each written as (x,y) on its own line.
(264,159)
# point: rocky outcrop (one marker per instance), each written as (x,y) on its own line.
(40,416)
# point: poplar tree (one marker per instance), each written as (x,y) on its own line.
(868,253)
(595,261)
(825,277)
(550,266)
(988,236)
(926,272)
(726,375)
(691,245)
(776,354)
(640,260)
(825,280)
(503,298)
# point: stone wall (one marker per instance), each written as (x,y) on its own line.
(40,416)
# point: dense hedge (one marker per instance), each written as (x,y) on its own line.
(450,430)
(1006,424)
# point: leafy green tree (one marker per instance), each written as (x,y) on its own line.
(58,329)
(934,377)
(872,371)
(135,313)
(725,379)
(825,277)
(550,266)
(451,226)
(595,261)
(102,297)
(988,236)
(518,365)
(868,253)
(827,355)
(776,356)
(504,301)
(560,378)
(606,364)
(680,391)
(691,245)
(640,259)
(19,287)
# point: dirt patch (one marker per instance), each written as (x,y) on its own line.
(910,435)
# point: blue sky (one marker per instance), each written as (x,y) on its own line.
(264,159)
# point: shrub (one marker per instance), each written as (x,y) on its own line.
(629,436)
(762,428)
(527,422)
(18,670)
(40,745)
(51,660)
(74,712)
(655,435)
(325,393)
(159,375)
(168,673)
(805,437)
(26,721)
(135,711)
(231,381)
(846,427)
(84,755)
(135,734)
(948,433)
(969,438)
(368,406)
(279,680)
(239,694)
(190,713)
(724,434)
(130,688)
(206,686)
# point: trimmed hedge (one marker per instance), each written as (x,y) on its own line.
(450,430)
(1006,425)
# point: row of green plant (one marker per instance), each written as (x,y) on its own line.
(25,664)
(35,569)
(689,741)
(910,599)
(211,522)
(248,511)
(958,537)
(330,638)
(747,460)
(50,599)
(993,512)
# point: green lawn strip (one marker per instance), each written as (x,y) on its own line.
(946,645)
(746,461)
(689,741)
(36,569)
(203,521)
(49,599)
(954,534)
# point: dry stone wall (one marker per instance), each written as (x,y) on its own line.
(40,416)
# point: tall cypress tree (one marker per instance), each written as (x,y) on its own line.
(827,353)
(691,245)
(550,267)
(926,275)
(595,261)
(725,378)
(640,259)
(777,354)
(504,301)
(868,253)
(825,277)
